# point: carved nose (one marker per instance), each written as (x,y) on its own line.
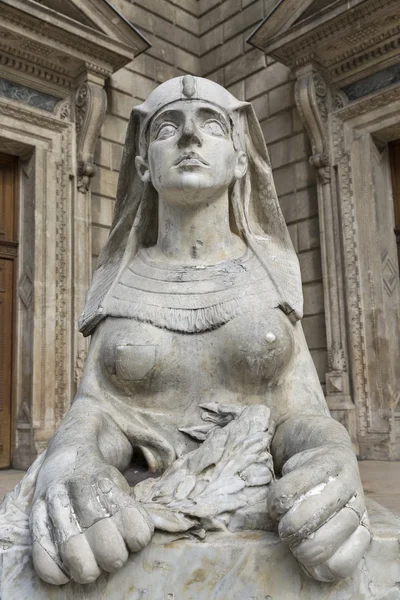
(190,135)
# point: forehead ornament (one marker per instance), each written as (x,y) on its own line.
(188,86)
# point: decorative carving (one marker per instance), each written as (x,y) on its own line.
(63,110)
(47,34)
(40,72)
(25,451)
(25,287)
(90,109)
(370,103)
(312,95)
(311,100)
(359,36)
(336,358)
(339,100)
(390,274)
(31,115)
(353,291)
(321,95)
(62,399)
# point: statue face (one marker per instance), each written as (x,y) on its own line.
(191,156)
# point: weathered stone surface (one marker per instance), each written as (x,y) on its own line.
(241,567)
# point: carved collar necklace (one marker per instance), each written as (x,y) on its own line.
(188,299)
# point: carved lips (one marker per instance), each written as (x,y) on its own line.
(191,159)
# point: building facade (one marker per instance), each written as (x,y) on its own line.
(323,77)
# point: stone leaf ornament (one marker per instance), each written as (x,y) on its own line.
(223,484)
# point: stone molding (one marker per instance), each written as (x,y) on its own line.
(66,46)
(90,110)
(374,352)
(45,325)
(311,102)
(348,40)
(314,100)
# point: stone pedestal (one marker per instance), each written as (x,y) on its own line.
(247,566)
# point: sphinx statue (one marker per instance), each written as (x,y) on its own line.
(200,433)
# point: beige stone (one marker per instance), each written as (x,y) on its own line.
(105,183)
(222,55)
(116,156)
(244,66)
(281,98)
(285,180)
(99,238)
(313,298)
(272,77)
(289,150)
(276,127)
(261,107)
(315,331)
(102,210)
(212,39)
(246,18)
(114,129)
(310,265)
(102,155)
(309,236)
(219,14)
(119,103)
(299,205)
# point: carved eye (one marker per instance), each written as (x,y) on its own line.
(213,127)
(165,131)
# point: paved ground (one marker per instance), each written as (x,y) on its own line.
(381,482)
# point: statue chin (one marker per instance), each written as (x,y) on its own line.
(199,389)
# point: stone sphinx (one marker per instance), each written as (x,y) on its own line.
(200,383)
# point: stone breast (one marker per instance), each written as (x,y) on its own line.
(246,354)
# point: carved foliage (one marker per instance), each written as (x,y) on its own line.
(90,109)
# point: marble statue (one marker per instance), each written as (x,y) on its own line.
(199,385)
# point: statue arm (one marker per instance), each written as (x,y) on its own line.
(81,496)
(300,410)
(89,430)
(319,500)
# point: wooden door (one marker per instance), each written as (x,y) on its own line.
(8,255)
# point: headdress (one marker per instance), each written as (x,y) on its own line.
(254,202)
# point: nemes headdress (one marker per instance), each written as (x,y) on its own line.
(257,214)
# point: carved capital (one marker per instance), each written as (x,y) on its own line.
(90,110)
(311,95)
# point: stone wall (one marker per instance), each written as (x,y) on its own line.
(208,38)
(173,32)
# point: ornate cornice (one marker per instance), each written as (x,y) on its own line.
(346,40)
(25,65)
(64,41)
(32,115)
(360,107)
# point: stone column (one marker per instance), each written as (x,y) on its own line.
(313,97)
(90,110)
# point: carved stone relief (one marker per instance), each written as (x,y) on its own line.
(313,101)
(370,274)
(90,109)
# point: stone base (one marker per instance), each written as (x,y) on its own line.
(247,566)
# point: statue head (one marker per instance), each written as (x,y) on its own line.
(189,140)
(187,147)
